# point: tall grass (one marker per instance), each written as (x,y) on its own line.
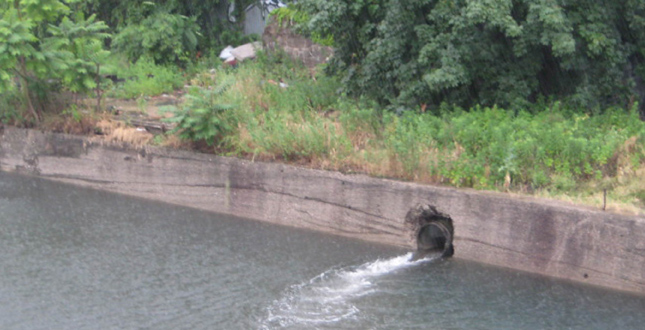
(143,78)
(492,147)
(551,151)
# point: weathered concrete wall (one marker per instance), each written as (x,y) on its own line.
(281,37)
(525,234)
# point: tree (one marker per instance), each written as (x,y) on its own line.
(165,37)
(507,52)
(169,31)
(80,51)
(39,40)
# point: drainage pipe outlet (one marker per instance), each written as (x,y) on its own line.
(431,230)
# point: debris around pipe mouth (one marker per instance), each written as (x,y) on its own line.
(432,230)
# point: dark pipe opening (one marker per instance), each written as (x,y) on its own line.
(432,230)
(432,237)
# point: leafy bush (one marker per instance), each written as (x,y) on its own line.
(292,16)
(145,78)
(11,107)
(202,116)
(82,45)
(164,37)
(405,53)
(488,147)
(554,149)
(45,40)
(279,65)
(303,94)
(163,24)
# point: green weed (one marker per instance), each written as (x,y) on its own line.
(296,137)
(551,151)
(204,117)
(144,78)
(11,105)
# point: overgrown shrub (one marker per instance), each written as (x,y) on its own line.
(170,31)
(296,136)
(487,147)
(409,54)
(145,78)
(11,107)
(45,42)
(203,117)
(164,37)
(548,148)
(298,19)
(299,95)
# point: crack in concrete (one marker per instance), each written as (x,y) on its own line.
(255,187)
(345,201)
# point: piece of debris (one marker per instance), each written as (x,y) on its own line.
(232,61)
(246,51)
(226,53)
(231,56)
(281,83)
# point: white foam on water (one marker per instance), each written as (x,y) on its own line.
(327,298)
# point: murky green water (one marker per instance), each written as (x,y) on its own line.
(73,258)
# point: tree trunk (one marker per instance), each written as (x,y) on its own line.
(25,89)
(98,87)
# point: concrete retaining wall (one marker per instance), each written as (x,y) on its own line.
(526,234)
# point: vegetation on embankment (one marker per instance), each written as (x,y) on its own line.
(412,100)
(546,150)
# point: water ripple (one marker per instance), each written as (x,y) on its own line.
(327,300)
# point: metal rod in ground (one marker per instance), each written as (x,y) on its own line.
(604,199)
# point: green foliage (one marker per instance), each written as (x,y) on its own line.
(362,119)
(555,149)
(145,78)
(11,105)
(73,112)
(409,137)
(640,195)
(298,19)
(289,15)
(485,147)
(279,65)
(304,94)
(81,52)
(296,136)
(288,84)
(165,37)
(43,40)
(410,52)
(279,121)
(168,30)
(203,117)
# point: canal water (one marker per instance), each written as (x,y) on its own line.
(73,258)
